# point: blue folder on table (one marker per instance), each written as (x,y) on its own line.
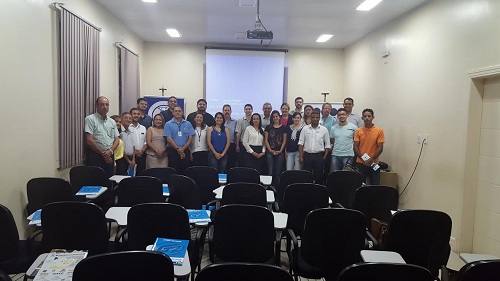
(175,249)
(36,218)
(89,190)
(166,192)
(223,177)
(198,216)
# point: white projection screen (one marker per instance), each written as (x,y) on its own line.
(238,77)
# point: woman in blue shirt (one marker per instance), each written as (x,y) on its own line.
(218,140)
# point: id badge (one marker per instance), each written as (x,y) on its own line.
(179,134)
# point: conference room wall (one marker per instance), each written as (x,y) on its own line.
(179,67)
(423,88)
(28,75)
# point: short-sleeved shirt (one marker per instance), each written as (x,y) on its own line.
(355,119)
(368,139)
(103,130)
(292,143)
(241,125)
(179,132)
(146,121)
(275,136)
(231,125)
(327,122)
(208,119)
(168,115)
(314,140)
(344,139)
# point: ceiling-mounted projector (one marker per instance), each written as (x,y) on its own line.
(259,34)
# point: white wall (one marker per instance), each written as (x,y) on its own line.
(423,87)
(28,75)
(179,67)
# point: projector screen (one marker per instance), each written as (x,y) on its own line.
(238,77)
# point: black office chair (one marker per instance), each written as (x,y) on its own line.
(184,191)
(299,200)
(376,201)
(485,270)
(385,272)
(244,193)
(244,233)
(146,222)
(163,174)
(74,226)
(137,190)
(290,177)
(243,174)
(243,272)
(332,240)
(421,237)
(16,255)
(87,175)
(42,191)
(341,186)
(4,276)
(125,266)
(207,179)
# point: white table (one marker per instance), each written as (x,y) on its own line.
(381,256)
(119,214)
(179,270)
(118,178)
(467,258)
(269,194)
(265,180)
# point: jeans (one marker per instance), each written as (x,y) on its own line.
(275,165)
(220,164)
(338,162)
(292,161)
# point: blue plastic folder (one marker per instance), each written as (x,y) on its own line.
(89,190)
(174,248)
(222,177)
(198,216)
(165,190)
(36,218)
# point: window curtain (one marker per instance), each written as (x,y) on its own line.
(79,84)
(129,78)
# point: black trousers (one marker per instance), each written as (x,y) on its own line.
(368,172)
(200,158)
(175,161)
(95,159)
(313,162)
(231,156)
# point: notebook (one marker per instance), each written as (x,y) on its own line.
(165,190)
(36,218)
(198,216)
(174,248)
(89,190)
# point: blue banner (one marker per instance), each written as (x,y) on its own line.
(158,104)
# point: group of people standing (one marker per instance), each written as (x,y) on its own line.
(303,138)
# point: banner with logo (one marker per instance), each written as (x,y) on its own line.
(158,104)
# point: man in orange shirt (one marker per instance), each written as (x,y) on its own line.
(368,145)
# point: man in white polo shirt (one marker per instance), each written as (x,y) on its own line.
(140,132)
(314,147)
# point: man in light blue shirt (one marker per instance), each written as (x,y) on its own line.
(179,135)
(342,139)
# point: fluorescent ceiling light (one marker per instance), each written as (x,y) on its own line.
(323,38)
(150,1)
(368,5)
(173,32)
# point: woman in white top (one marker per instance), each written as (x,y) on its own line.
(253,141)
(199,148)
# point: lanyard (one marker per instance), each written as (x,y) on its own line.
(199,136)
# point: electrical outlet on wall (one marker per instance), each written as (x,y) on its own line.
(423,138)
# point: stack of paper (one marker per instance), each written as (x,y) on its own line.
(59,265)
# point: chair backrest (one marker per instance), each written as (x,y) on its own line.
(9,237)
(243,272)
(137,190)
(385,272)
(341,186)
(290,177)
(163,174)
(299,200)
(243,174)
(332,239)
(146,222)
(42,191)
(421,237)
(184,191)
(486,270)
(87,175)
(4,276)
(243,233)
(207,179)
(125,266)
(75,226)
(376,201)
(244,193)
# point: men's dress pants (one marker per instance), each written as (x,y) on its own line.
(314,162)
(175,161)
(95,159)
(368,172)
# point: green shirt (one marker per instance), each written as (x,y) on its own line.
(104,131)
